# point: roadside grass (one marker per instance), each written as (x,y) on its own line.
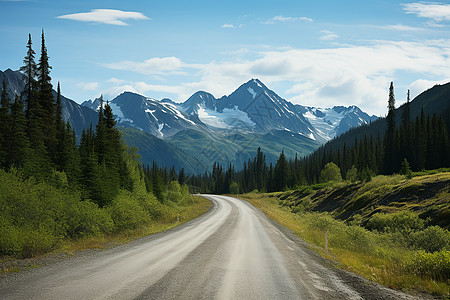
(173,217)
(177,216)
(383,257)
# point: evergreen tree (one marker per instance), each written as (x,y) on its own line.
(281,173)
(17,144)
(29,70)
(60,133)
(46,112)
(4,124)
(389,140)
(405,169)
(70,156)
(181,177)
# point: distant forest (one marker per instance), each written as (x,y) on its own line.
(384,147)
(35,139)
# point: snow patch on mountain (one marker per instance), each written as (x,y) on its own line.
(251,91)
(117,112)
(226,119)
(175,110)
(160,128)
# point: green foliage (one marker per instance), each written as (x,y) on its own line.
(330,172)
(352,174)
(36,216)
(234,188)
(174,191)
(431,239)
(435,265)
(405,221)
(406,169)
(127,213)
(323,221)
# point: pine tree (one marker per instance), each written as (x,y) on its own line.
(46,112)
(29,70)
(405,169)
(61,133)
(389,140)
(4,124)
(17,144)
(182,177)
(281,173)
(70,156)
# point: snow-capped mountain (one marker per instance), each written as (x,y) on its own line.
(252,108)
(159,118)
(332,122)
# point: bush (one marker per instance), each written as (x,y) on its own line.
(86,218)
(330,172)
(358,239)
(127,213)
(431,239)
(435,265)
(402,221)
(174,191)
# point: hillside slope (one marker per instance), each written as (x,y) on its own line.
(428,196)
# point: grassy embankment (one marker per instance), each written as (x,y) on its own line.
(383,230)
(37,218)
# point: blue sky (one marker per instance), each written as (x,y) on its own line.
(314,53)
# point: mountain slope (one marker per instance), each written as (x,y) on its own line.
(434,100)
(164,154)
(237,148)
(78,116)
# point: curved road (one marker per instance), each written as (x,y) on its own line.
(231,252)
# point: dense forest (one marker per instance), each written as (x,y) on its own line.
(52,189)
(387,147)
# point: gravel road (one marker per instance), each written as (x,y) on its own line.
(231,252)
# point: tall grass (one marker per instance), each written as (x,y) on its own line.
(395,255)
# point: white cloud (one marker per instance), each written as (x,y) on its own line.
(400,27)
(432,10)
(344,75)
(116,80)
(106,16)
(88,86)
(328,35)
(152,66)
(421,85)
(228,26)
(287,19)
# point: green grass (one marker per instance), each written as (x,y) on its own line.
(391,258)
(177,216)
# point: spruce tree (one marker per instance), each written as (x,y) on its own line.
(29,70)
(47,106)
(5,124)
(281,173)
(182,177)
(389,139)
(17,144)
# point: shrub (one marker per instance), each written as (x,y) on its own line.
(358,239)
(402,221)
(174,191)
(86,218)
(330,172)
(127,213)
(435,265)
(431,239)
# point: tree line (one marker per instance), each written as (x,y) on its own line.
(52,188)
(415,144)
(35,139)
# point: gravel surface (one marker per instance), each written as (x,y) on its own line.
(231,252)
